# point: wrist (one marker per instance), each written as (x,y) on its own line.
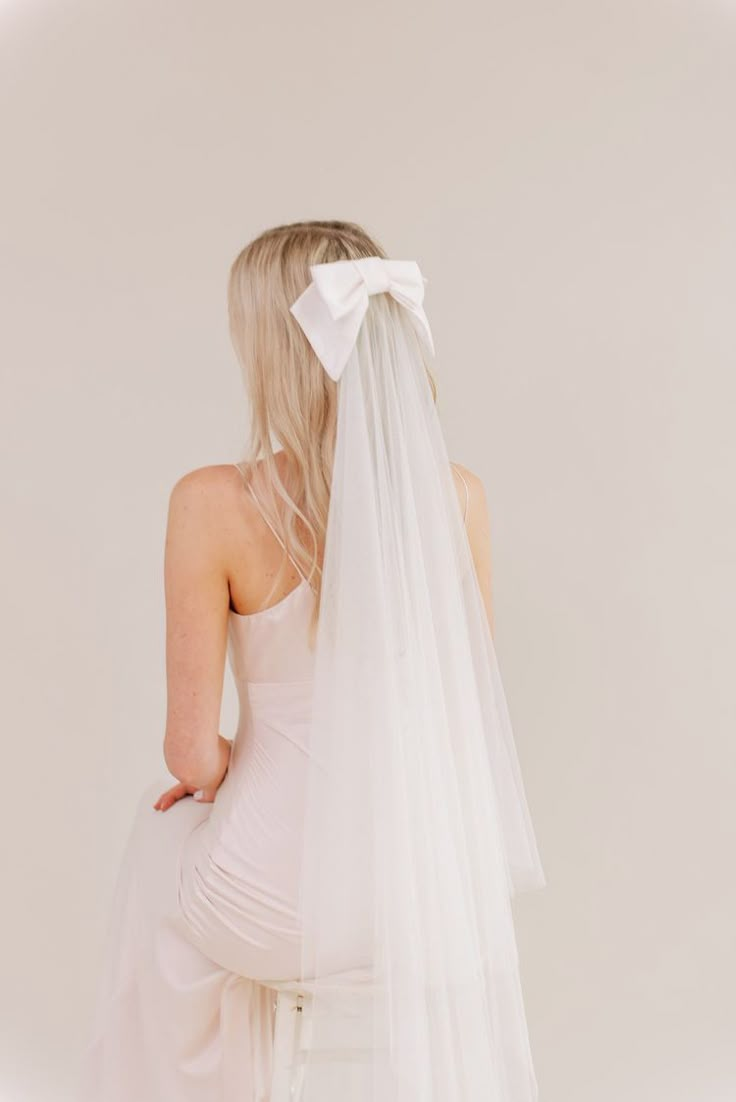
(224,747)
(210,768)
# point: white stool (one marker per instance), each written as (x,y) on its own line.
(342,1042)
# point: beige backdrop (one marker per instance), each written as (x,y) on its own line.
(564,172)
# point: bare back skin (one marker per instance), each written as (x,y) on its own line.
(222,557)
(258,557)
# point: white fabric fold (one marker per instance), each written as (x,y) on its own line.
(331,309)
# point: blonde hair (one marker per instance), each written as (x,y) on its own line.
(293,400)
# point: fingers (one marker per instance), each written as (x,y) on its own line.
(170,796)
(178,791)
(205,795)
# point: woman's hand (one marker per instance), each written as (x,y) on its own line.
(206,794)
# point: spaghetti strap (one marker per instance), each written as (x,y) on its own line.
(249,487)
(467,491)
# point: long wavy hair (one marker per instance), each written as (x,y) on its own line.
(293,401)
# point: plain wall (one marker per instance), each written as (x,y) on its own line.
(564,173)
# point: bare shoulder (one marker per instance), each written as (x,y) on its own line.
(207,487)
(217,478)
(470,487)
(206,499)
(477,524)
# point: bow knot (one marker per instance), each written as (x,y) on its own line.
(332,308)
(376,275)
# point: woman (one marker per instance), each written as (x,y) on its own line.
(360,838)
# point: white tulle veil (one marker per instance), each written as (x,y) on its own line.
(417,832)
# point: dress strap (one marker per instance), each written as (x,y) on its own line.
(249,486)
(467,491)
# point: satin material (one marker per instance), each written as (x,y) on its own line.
(331,309)
(204,912)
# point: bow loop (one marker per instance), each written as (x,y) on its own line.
(332,308)
(341,289)
(376,274)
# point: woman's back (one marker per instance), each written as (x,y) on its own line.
(239,872)
(255,552)
(366,824)
(269,644)
(248,851)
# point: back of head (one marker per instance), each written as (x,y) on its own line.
(293,400)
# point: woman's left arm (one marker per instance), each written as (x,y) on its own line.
(197,602)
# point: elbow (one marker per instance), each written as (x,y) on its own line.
(184,761)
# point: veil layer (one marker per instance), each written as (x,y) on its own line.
(417,832)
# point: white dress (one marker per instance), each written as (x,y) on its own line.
(205,907)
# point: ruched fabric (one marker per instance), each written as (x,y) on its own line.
(204,911)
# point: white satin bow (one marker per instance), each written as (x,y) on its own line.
(332,308)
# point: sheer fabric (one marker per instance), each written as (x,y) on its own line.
(417,832)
